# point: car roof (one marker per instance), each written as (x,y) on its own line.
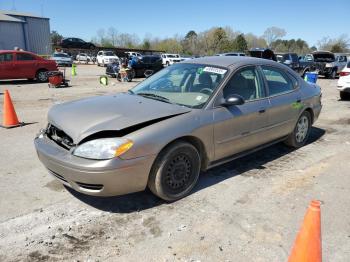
(229,61)
(16,51)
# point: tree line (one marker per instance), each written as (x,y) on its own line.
(215,40)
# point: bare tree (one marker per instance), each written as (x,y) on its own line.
(271,34)
(340,44)
(113,35)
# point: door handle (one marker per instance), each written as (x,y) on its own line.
(262,110)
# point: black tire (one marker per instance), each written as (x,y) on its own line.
(295,139)
(41,76)
(344,95)
(175,171)
(167,63)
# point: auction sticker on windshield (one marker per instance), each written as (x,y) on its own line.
(214,70)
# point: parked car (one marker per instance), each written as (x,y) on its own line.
(185,57)
(328,64)
(72,42)
(113,70)
(106,57)
(62,59)
(24,65)
(307,64)
(82,57)
(262,53)
(298,65)
(344,82)
(146,63)
(231,54)
(169,59)
(131,54)
(185,119)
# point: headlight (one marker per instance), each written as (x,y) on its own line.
(104,148)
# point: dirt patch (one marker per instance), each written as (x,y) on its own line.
(341,121)
(153,225)
(55,186)
(37,256)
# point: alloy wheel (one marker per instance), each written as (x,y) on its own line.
(302,129)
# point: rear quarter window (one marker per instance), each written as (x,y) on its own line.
(278,81)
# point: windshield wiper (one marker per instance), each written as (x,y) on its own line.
(154,96)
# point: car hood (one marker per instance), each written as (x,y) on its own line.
(82,118)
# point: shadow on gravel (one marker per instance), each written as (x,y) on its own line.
(254,161)
(145,200)
(18,82)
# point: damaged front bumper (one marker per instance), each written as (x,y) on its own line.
(94,177)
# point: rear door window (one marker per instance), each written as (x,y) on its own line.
(8,57)
(278,81)
(24,57)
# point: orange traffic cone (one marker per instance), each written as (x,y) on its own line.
(10,116)
(308,245)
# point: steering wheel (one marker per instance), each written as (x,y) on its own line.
(206,91)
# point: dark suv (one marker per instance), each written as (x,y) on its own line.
(292,60)
(72,42)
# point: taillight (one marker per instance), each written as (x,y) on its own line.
(344,73)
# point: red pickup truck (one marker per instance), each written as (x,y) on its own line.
(21,65)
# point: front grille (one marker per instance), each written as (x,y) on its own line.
(59,137)
(96,187)
(58,176)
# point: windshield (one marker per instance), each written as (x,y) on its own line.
(60,55)
(189,85)
(172,56)
(109,53)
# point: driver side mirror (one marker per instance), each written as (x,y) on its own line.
(232,100)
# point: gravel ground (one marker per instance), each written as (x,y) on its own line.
(247,210)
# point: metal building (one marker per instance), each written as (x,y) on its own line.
(26,31)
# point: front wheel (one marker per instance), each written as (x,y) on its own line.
(301,131)
(41,76)
(175,171)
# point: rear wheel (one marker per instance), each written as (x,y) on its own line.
(344,95)
(175,171)
(301,131)
(41,76)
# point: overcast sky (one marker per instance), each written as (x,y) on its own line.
(309,20)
